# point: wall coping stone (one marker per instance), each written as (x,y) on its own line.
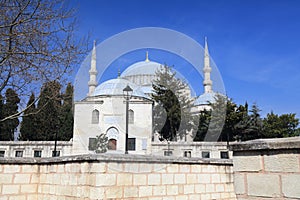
(24,143)
(267,144)
(115,158)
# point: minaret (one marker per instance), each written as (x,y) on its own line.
(147,57)
(207,83)
(93,72)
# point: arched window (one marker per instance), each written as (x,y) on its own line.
(130,117)
(95,117)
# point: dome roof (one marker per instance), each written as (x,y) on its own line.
(205,99)
(116,86)
(142,68)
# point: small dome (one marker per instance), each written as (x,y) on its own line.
(116,86)
(142,68)
(205,99)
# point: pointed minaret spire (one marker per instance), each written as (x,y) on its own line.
(207,83)
(93,72)
(147,57)
(119,73)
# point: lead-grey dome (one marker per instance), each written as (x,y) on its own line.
(116,86)
(142,73)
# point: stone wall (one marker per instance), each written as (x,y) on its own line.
(96,177)
(268,168)
(9,148)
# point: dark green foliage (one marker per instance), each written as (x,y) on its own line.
(284,125)
(101,143)
(29,121)
(49,106)
(9,109)
(66,115)
(241,124)
(171,114)
(204,119)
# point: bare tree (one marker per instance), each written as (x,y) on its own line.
(37,44)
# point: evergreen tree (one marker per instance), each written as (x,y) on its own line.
(48,117)
(172,118)
(204,119)
(275,126)
(10,108)
(29,122)
(66,115)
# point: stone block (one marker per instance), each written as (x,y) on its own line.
(188,189)
(172,189)
(291,185)
(215,196)
(145,191)
(100,167)
(131,192)
(196,168)
(10,189)
(34,178)
(184,168)
(154,179)
(124,179)
(220,188)
(179,179)
(29,188)
(160,168)
(248,162)
(145,168)
(204,178)
(139,179)
(182,197)
(22,178)
(215,178)
(12,169)
(29,169)
(200,188)
(159,190)
(263,185)
(6,178)
(209,169)
(131,168)
(60,169)
(114,192)
(191,178)
(167,179)
(209,188)
(281,163)
(97,193)
(172,168)
(239,183)
(110,179)
(168,198)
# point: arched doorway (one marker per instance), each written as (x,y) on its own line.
(112,144)
(113,135)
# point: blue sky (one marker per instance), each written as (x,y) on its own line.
(255,44)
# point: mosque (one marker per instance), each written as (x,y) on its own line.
(104,111)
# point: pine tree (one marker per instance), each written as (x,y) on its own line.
(204,119)
(172,118)
(49,107)
(66,115)
(10,108)
(275,126)
(28,128)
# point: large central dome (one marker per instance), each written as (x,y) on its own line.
(142,73)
